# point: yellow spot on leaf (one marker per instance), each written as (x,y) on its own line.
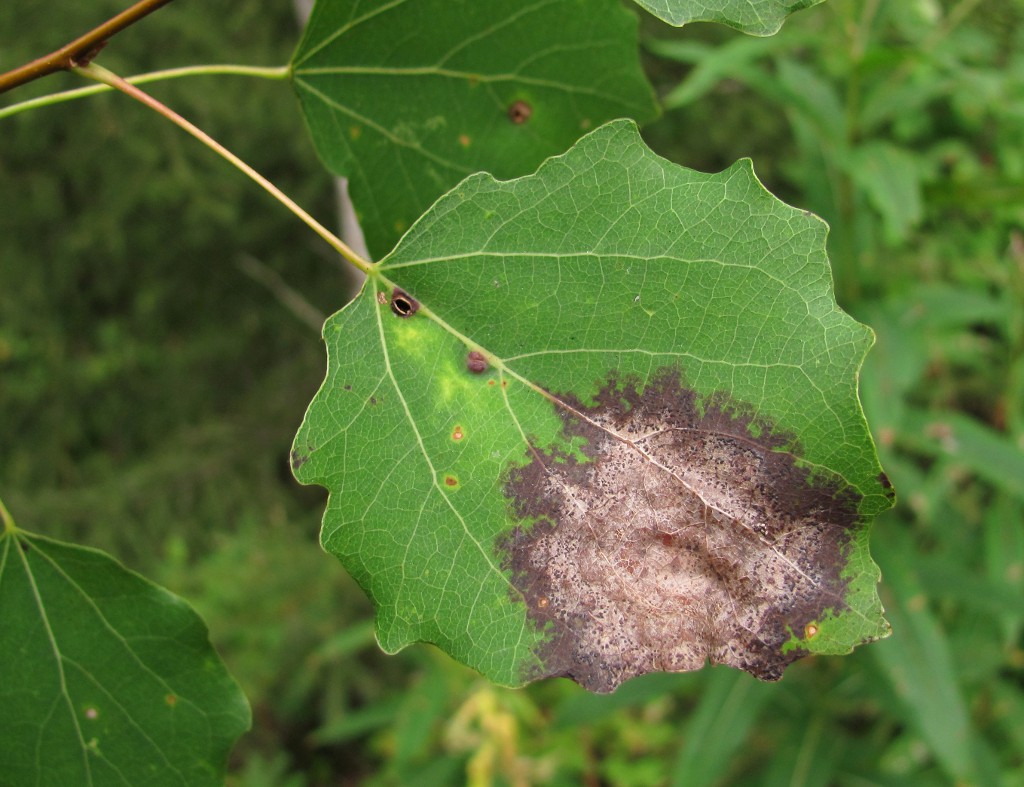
(411,337)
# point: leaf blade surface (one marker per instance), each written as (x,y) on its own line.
(757,17)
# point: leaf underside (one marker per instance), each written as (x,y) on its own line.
(756,17)
(407,98)
(107,678)
(600,421)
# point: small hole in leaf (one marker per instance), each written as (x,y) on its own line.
(91,714)
(403,304)
(519,112)
(475,362)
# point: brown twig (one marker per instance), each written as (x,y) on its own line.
(80,51)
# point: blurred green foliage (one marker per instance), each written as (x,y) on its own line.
(149,389)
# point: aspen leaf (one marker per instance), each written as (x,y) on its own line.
(107,678)
(601,421)
(408,98)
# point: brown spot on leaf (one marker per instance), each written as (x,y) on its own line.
(382,298)
(171,700)
(519,112)
(451,481)
(677,538)
(810,630)
(464,140)
(457,433)
(403,304)
(476,362)
(298,460)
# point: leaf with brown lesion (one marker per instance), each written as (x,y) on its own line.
(680,538)
(639,379)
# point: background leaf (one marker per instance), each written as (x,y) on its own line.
(407,98)
(608,262)
(758,17)
(107,678)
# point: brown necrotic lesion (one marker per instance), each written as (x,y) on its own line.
(680,538)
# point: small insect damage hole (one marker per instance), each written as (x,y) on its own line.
(519,112)
(403,304)
(682,531)
(476,362)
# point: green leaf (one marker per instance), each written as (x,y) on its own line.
(718,728)
(890,177)
(107,678)
(918,664)
(602,421)
(987,453)
(757,17)
(407,98)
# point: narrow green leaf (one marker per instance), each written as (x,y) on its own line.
(729,707)
(107,678)
(1004,556)
(407,98)
(808,755)
(602,421)
(918,665)
(757,17)
(890,176)
(987,453)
